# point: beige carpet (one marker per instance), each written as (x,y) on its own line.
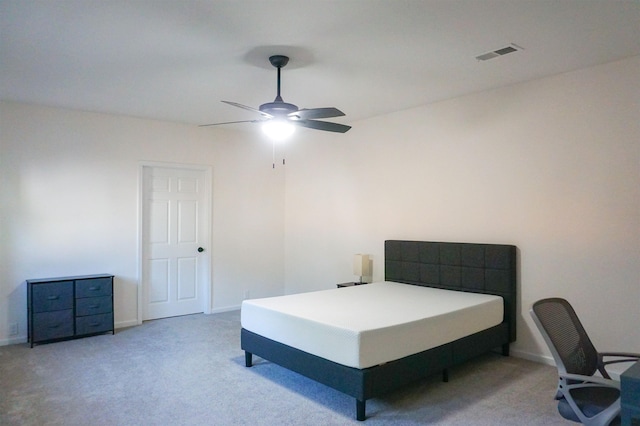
(190,371)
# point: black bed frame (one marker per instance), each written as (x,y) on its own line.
(477,268)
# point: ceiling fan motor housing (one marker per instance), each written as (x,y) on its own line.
(278,108)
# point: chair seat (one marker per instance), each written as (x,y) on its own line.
(591,400)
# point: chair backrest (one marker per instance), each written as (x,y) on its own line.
(569,343)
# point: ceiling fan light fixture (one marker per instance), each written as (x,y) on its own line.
(278,130)
(279,117)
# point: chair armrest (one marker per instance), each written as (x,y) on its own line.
(629,357)
(586,381)
(623,357)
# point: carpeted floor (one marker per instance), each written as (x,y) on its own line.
(190,371)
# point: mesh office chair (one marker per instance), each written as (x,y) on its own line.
(582,397)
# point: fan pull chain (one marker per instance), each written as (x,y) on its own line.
(273,158)
(283,155)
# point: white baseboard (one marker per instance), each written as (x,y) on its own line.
(13,340)
(124,324)
(542,359)
(225,309)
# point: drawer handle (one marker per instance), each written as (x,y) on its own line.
(54,326)
(53,297)
(94,306)
(94,324)
(94,288)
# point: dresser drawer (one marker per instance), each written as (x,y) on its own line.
(94,324)
(93,287)
(52,325)
(93,306)
(54,296)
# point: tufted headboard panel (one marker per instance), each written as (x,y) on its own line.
(477,268)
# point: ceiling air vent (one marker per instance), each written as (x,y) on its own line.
(499,52)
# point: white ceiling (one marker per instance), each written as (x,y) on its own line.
(177,59)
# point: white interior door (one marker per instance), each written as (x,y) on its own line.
(175,268)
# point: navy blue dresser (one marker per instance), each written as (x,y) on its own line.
(69,307)
(630,395)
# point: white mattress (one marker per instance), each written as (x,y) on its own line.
(367,325)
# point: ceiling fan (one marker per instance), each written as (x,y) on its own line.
(280,113)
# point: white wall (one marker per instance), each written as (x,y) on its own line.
(552,166)
(69,204)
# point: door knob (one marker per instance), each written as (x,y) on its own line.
(200,249)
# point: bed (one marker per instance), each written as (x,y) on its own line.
(375,356)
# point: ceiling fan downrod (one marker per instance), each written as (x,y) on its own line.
(278,108)
(278,61)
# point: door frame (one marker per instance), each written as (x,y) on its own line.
(208,259)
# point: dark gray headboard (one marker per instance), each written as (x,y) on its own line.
(477,268)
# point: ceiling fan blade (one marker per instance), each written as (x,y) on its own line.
(231,122)
(322,125)
(248,108)
(313,113)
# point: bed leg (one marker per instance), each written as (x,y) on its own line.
(505,349)
(360,410)
(445,375)
(248,359)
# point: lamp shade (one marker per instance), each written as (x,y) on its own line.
(361,265)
